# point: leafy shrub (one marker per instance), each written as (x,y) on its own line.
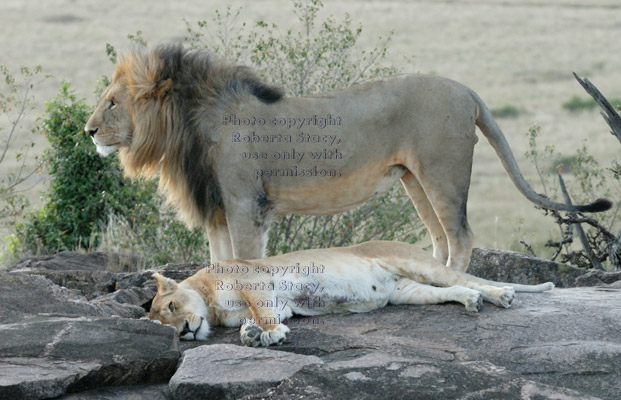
(84,187)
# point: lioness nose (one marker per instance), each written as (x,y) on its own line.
(186,328)
(91,132)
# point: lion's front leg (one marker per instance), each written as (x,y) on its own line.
(248,229)
(219,241)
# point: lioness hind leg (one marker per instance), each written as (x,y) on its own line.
(427,215)
(411,292)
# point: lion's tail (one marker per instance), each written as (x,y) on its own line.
(485,122)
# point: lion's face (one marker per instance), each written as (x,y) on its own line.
(180,307)
(110,125)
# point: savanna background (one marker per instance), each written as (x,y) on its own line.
(518,55)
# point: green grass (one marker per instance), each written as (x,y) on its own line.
(507,111)
(578,104)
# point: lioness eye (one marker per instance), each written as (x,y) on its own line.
(171,307)
(112,104)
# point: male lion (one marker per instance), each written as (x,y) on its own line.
(260,294)
(232,153)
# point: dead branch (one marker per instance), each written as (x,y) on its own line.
(583,239)
(612,118)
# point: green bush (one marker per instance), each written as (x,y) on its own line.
(84,188)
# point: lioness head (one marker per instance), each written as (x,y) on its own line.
(180,307)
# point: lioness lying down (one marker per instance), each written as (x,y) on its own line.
(260,294)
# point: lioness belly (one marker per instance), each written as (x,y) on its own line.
(339,288)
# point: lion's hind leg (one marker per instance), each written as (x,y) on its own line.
(408,291)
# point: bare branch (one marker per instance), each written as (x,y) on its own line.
(612,118)
(583,240)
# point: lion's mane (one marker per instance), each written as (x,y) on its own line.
(177,100)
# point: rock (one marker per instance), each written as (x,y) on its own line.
(598,278)
(22,295)
(127,303)
(48,357)
(98,274)
(73,261)
(560,344)
(227,371)
(137,392)
(514,267)
(55,341)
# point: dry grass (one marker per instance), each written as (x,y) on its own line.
(512,52)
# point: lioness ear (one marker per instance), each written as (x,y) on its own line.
(164,284)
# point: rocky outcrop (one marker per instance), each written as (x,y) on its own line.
(511,266)
(85,341)
(48,357)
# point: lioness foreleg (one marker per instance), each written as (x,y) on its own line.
(411,292)
(265,327)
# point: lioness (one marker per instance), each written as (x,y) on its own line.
(232,152)
(260,294)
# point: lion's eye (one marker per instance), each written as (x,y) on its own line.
(112,104)
(171,307)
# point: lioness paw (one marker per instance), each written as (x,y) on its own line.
(474,302)
(250,335)
(277,336)
(506,298)
(254,335)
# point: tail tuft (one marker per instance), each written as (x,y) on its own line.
(598,205)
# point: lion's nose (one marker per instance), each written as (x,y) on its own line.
(91,132)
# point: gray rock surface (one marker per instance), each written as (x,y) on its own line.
(225,371)
(560,344)
(61,341)
(47,357)
(511,266)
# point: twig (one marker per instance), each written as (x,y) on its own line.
(585,244)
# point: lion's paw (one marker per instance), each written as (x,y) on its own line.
(254,335)
(506,298)
(474,302)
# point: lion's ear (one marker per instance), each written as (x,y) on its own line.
(146,88)
(164,284)
(162,88)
